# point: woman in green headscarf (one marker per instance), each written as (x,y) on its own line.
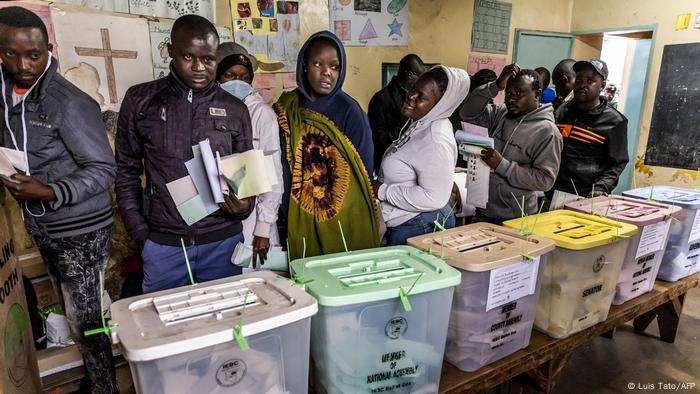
(327,154)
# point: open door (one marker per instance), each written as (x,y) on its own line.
(541,49)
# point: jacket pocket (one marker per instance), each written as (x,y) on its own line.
(154,131)
(222,137)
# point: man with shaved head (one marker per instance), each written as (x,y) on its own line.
(563,78)
(384,110)
(159,122)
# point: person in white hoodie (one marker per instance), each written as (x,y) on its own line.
(235,73)
(417,171)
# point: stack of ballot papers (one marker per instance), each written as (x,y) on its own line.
(474,184)
(211,177)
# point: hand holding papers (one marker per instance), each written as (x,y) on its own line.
(211,177)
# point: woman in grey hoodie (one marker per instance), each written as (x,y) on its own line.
(417,170)
(527,143)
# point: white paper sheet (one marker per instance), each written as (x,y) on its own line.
(474,129)
(478,174)
(276,258)
(512,282)
(560,198)
(6,167)
(653,238)
(211,170)
(17,158)
(695,230)
(195,167)
(255,180)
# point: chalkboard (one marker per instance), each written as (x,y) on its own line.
(674,135)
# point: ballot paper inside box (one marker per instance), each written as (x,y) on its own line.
(579,284)
(185,340)
(646,248)
(493,309)
(682,255)
(366,337)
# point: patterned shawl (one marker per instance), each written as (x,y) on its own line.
(329,185)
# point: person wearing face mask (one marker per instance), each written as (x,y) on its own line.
(527,145)
(327,152)
(66,168)
(417,173)
(235,75)
(595,135)
(384,109)
(159,122)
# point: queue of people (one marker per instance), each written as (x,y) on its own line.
(343,177)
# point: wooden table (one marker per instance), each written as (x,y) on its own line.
(544,359)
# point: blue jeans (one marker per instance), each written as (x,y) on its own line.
(164,266)
(419,225)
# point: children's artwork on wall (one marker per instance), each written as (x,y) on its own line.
(157,8)
(43,12)
(173,8)
(160,38)
(99,5)
(269,30)
(370,22)
(117,47)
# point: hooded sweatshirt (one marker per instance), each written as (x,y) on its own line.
(530,146)
(418,168)
(338,106)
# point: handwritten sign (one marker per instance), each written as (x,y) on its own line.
(479,62)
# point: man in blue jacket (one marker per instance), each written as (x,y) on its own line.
(58,135)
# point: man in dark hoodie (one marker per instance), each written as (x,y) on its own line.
(527,144)
(327,157)
(158,123)
(67,167)
(595,135)
(384,110)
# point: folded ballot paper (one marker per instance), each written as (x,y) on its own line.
(475,182)
(276,258)
(211,177)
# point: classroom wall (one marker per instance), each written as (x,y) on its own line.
(587,46)
(439,31)
(600,14)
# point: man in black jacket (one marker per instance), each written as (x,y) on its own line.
(384,110)
(66,166)
(158,123)
(595,135)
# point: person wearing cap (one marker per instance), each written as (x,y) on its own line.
(235,73)
(595,135)
(158,124)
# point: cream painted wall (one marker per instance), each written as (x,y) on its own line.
(587,46)
(439,31)
(601,14)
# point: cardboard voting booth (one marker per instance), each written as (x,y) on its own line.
(19,372)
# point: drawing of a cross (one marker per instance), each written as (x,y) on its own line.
(108,54)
